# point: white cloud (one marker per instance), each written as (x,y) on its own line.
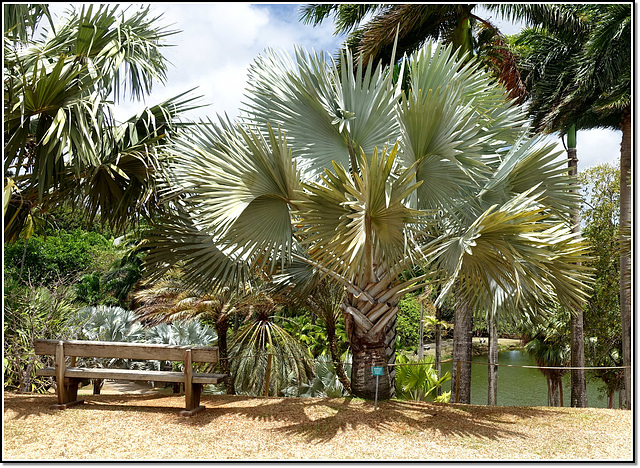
(218,42)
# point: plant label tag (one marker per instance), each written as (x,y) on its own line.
(376,371)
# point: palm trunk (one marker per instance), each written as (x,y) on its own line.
(337,363)
(462,352)
(222,327)
(554,387)
(390,351)
(438,344)
(625,256)
(368,325)
(492,399)
(578,378)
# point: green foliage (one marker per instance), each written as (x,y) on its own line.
(600,216)
(30,313)
(418,379)
(408,324)
(262,351)
(548,340)
(314,335)
(64,255)
(325,382)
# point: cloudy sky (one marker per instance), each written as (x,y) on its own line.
(218,42)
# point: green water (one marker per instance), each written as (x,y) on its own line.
(522,386)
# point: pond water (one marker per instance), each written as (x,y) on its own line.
(519,386)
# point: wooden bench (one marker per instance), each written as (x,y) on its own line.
(69,376)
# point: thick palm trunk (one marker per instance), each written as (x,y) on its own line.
(578,377)
(625,256)
(370,327)
(492,399)
(462,354)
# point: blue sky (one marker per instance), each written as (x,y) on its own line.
(219,41)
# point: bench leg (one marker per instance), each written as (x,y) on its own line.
(192,400)
(67,388)
(68,397)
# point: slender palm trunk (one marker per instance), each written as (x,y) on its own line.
(222,327)
(578,378)
(462,353)
(492,399)
(337,363)
(625,256)
(438,363)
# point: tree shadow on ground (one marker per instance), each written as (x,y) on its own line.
(321,419)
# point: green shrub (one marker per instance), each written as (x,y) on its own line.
(65,255)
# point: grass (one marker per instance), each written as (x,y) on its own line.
(148,427)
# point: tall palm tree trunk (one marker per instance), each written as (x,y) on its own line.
(462,353)
(438,344)
(625,256)
(492,398)
(578,378)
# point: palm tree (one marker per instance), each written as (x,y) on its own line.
(61,139)
(455,24)
(265,358)
(547,343)
(323,298)
(580,79)
(331,166)
(169,299)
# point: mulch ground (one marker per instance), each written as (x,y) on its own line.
(148,427)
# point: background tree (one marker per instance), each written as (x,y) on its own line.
(600,214)
(61,141)
(454,24)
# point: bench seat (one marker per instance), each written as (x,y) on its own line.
(131,374)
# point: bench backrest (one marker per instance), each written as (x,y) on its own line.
(141,351)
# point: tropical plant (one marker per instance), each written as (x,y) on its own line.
(61,140)
(105,323)
(549,344)
(326,168)
(417,379)
(265,359)
(325,381)
(32,312)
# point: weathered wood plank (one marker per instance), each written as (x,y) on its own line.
(60,367)
(199,378)
(124,374)
(141,351)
